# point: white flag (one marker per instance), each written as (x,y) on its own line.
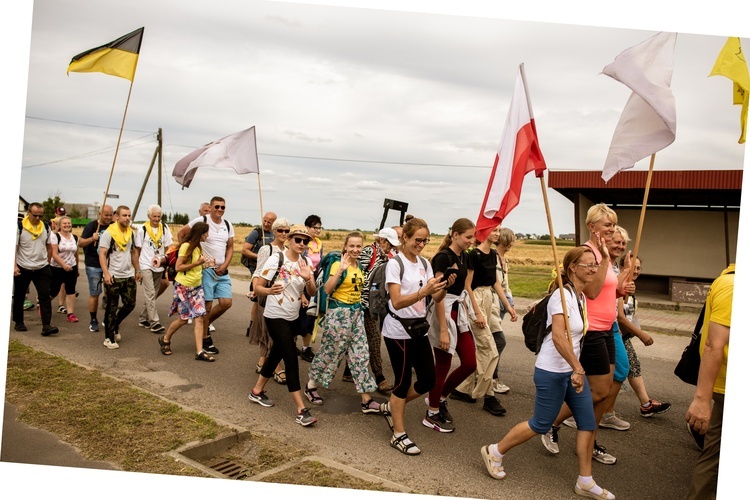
(237,151)
(649,120)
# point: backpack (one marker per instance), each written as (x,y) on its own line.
(379,294)
(324,272)
(171,257)
(245,261)
(534,325)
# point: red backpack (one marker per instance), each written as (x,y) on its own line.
(171,257)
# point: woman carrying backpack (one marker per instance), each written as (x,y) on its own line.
(188,299)
(449,332)
(559,377)
(344,329)
(410,280)
(64,264)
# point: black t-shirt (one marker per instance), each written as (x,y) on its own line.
(484,266)
(445,259)
(91,252)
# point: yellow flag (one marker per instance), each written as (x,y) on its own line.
(117,58)
(732,64)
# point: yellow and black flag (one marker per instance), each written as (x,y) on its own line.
(117,58)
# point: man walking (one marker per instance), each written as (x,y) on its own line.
(118,258)
(32,266)
(217,285)
(152,240)
(89,241)
(255,240)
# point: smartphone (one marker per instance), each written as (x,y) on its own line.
(448,272)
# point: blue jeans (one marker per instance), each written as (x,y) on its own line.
(552,389)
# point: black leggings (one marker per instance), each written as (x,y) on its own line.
(406,354)
(282,334)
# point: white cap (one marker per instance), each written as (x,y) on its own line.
(389,234)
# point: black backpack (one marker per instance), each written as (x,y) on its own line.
(379,294)
(245,261)
(534,325)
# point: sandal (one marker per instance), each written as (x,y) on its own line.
(204,356)
(280,377)
(405,445)
(313,396)
(166,347)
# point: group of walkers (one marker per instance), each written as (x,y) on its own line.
(424,311)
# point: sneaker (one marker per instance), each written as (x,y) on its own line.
(94,325)
(157,328)
(27,305)
(371,406)
(494,467)
(144,323)
(600,455)
(493,406)
(500,388)
(48,330)
(444,411)
(698,438)
(20,327)
(437,422)
(211,328)
(386,412)
(62,310)
(655,408)
(462,396)
(307,354)
(111,345)
(571,422)
(209,347)
(304,418)
(614,422)
(261,399)
(72,318)
(313,396)
(405,445)
(550,440)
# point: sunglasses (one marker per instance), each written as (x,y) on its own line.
(220,207)
(35,215)
(284,231)
(589,266)
(303,241)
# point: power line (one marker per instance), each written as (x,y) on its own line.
(123,145)
(84,124)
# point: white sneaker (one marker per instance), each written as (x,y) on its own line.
(571,422)
(614,422)
(111,345)
(550,440)
(211,328)
(499,387)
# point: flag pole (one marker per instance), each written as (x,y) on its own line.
(117,147)
(643,215)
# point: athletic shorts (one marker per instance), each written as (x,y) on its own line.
(216,287)
(597,352)
(94,275)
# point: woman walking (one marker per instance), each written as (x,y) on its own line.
(449,325)
(410,280)
(64,264)
(504,242)
(283,279)
(559,377)
(344,329)
(188,299)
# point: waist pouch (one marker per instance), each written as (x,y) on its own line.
(415,327)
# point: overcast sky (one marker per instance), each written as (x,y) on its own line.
(426,94)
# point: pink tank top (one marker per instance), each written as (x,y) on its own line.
(602,311)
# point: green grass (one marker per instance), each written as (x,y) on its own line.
(529,281)
(560,243)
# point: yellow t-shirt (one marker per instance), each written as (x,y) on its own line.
(193,276)
(350,290)
(719,310)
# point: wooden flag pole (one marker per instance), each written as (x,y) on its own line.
(558,274)
(643,216)
(117,147)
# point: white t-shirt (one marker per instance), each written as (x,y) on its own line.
(548,358)
(415,277)
(286,305)
(149,249)
(216,244)
(67,248)
(120,263)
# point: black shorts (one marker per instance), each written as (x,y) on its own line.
(598,352)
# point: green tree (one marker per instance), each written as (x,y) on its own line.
(50,204)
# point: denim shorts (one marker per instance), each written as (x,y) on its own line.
(94,275)
(552,389)
(216,287)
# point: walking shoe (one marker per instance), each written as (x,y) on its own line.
(307,354)
(385,410)
(437,422)
(144,323)
(111,345)
(211,328)
(500,388)
(698,438)
(614,422)
(384,387)
(94,325)
(571,422)
(445,413)
(118,337)
(62,310)
(48,330)
(584,490)
(550,440)
(405,445)
(462,396)
(304,418)
(655,408)
(27,305)
(261,399)
(72,318)
(157,328)
(209,347)
(493,406)
(20,327)
(600,455)
(494,467)
(371,406)
(313,396)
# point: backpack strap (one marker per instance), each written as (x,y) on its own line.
(226,222)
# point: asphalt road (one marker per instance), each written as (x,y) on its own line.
(655,457)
